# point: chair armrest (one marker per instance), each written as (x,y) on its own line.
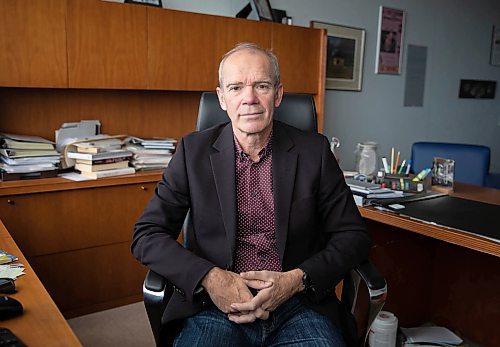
(153,288)
(371,276)
(377,292)
(157,291)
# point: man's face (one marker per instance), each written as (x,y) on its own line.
(248,93)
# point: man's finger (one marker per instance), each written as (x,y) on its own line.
(243,318)
(258,284)
(256,275)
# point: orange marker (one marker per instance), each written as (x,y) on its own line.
(396,166)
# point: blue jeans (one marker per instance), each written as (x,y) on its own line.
(291,324)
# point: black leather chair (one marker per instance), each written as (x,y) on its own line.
(299,111)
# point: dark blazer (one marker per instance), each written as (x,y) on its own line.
(318,226)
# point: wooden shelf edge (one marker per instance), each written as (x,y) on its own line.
(60,184)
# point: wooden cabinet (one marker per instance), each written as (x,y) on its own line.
(185,48)
(107,45)
(298,50)
(81,238)
(33,43)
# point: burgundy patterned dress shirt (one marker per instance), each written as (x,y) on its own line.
(256,247)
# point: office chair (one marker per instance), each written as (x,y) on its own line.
(472,162)
(297,110)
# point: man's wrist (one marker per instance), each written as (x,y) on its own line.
(209,277)
(305,281)
(298,285)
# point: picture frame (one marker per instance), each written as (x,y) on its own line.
(156,3)
(390,41)
(263,9)
(345,55)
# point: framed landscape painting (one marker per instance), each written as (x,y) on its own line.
(344,56)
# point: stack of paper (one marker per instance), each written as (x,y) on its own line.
(23,154)
(430,336)
(362,191)
(8,270)
(11,271)
(151,154)
(6,257)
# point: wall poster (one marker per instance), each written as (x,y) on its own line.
(390,41)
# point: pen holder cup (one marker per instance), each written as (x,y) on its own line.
(406,183)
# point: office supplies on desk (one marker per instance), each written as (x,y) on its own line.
(401,167)
(6,257)
(408,167)
(364,187)
(421,175)
(12,271)
(396,163)
(386,165)
(392,161)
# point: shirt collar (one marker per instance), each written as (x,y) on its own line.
(262,153)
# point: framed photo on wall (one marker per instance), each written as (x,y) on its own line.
(390,41)
(344,56)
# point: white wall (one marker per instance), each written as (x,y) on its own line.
(458,36)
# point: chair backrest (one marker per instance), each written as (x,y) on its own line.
(297,110)
(472,162)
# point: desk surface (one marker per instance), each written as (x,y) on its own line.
(475,242)
(42,324)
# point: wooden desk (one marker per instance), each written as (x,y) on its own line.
(42,324)
(440,275)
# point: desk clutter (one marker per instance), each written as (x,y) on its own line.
(385,332)
(81,152)
(9,269)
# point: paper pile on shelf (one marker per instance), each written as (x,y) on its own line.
(100,157)
(24,156)
(151,154)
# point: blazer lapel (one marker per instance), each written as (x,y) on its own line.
(284,169)
(223,169)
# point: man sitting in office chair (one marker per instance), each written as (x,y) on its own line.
(275,227)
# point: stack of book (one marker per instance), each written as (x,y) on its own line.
(24,156)
(364,191)
(151,154)
(101,158)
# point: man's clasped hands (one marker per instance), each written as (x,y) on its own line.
(231,293)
